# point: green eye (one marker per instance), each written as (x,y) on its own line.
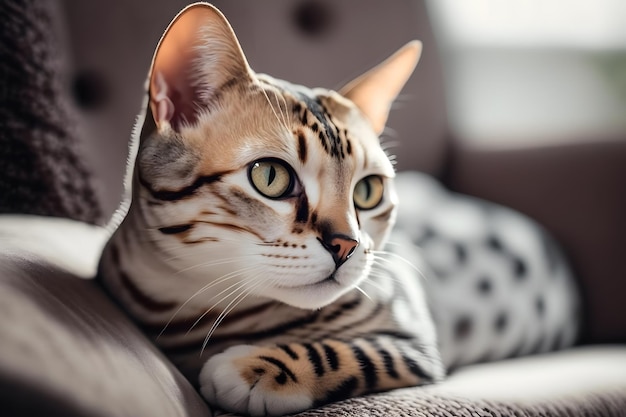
(272,178)
(368,192)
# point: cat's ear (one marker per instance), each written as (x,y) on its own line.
(375,91)
(197,57)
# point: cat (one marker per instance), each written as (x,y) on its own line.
(250,245)
(257,209)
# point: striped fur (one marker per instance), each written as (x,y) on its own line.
(269,304)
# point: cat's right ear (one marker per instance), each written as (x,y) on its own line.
(197,56)
(374,92)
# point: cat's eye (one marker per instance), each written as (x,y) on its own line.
(368,192)
(272,178)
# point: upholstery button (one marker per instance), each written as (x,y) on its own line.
(313,17)
(90,90)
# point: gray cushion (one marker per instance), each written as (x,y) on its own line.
(65,345)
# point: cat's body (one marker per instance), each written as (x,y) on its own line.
(251,246)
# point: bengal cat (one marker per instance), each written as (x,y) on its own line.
(250,246)
(258,210)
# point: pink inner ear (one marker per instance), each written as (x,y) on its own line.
(164,105)
(171,104)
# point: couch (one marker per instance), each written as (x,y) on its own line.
(66,349)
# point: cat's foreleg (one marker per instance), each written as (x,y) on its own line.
(289,378)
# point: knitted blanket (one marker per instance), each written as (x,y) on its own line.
(41,168)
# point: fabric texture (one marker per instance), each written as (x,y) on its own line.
(67,350)
(421,403)
(42,169)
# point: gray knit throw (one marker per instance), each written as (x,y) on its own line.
(41,170)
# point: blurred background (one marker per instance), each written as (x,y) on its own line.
(493,74)
(533,72)
(522,103)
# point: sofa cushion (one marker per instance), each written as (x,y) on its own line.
(574,373)
(65,347)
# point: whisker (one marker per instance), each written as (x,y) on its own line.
(229,287)
(221,261)
(239,286)
(231,305)
(379,287)
(203,289)
(395,244)
(359,289)
(206,264)
(272,107)
(280,108)
(378,255)
(383,274)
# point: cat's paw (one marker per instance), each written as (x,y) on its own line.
(245,380)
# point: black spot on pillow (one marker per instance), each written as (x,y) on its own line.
(461,253)
(484,286)
(502,320)
(463,328)
(540,305)
(520,270)
(494,243)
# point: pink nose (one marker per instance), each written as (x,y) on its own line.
(341,247)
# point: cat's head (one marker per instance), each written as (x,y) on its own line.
(275,189)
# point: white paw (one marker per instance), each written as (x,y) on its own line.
(238,380)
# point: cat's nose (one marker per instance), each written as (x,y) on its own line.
(341,248)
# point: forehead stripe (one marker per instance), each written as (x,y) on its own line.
(302,151)
(328,131)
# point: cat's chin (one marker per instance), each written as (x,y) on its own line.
(311,296)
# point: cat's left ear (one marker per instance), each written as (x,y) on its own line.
(197,57)
(374,92)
